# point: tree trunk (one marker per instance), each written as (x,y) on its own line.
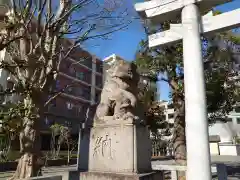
(179,138)
(179,141)
(30,163)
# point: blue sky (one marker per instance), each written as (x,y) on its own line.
(125,42)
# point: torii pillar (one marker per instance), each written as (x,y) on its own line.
(190,30)
(197,136)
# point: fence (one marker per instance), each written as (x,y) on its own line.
(161,148)
(221,170)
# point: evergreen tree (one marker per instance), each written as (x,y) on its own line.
(220,90)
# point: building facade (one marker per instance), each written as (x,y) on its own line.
(82,73)
(168,112)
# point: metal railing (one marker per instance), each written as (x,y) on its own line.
(159,149)
(65,112)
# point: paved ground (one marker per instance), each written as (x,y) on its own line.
(232,161)
(46,171)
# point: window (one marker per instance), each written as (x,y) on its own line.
(68,123)
(49,122)
(71,70)
(86,92)
(99,67)
(87,61)
(79,91)
(238,120)
(80,75)
(170,116)
(81,61)
(97,97)
(64,65)
(99,81)
(70,89)
(52,105)
(52,102)
(79,109)
(70,105)
(57,84)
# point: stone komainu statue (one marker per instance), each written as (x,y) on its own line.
(119,94)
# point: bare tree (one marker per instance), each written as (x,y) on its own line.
(36,35)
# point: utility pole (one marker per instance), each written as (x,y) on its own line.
(81,134)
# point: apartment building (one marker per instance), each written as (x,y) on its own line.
(81,69)
(84,73)
(168,111)
(163,146)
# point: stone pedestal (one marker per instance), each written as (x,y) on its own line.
(120,146)
(119,150)
(116,176)
(116,145)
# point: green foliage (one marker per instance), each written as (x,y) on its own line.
(238,140)
(221,92)
(56,129)
(154,114)
(11,116)
(220,87)
(11,124)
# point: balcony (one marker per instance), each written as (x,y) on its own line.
(83,93)
(49,120)
(68,114)
(74,79)
(83,76)
(99,82)
(97,97)
(99,67)
(84,62)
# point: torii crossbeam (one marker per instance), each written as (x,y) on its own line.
(210,25)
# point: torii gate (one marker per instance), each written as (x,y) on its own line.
(190,30)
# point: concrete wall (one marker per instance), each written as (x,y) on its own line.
(224,130)
(227,131)
(229,149)
(214,149)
